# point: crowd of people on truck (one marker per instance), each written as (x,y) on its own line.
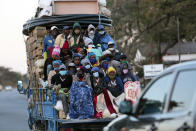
(86,70)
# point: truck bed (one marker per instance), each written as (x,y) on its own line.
(84,123)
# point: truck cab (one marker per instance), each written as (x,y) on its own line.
(167,103)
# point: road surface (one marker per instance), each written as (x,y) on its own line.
(13,113)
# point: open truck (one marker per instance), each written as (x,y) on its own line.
(42,114)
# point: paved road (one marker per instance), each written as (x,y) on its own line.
(13,113)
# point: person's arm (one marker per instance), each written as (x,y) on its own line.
(57,41)
(69,81)
(120,84)
(133,77)
(45,44)
(111,39)
(53,80)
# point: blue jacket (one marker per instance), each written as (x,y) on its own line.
(104,41)
(119,86)
(48,42)
(81,101)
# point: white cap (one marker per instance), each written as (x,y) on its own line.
(87,41)
(71,65)
(107,52)
(110,43)
(53,27)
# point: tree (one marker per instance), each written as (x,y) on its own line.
(9,77)
(153,23)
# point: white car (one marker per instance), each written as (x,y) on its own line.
(8,88)
(1,87)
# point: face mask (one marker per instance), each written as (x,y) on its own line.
(56,69)
(105,66)
(111,49)
(125,71)
(91,46)
(124,62)
(77,31)
(101,32)
(108,59)
(96,74)
(91,32)
(63,72)
(87,66)
(93,60)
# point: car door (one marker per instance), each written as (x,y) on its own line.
(180,111)
(152,103)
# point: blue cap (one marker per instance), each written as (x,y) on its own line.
(100,27)
(76,55)
(95,69)
(91,54)
(65,27)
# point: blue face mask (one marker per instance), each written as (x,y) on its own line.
(108,59)
(105,66)
(63,72)
(56,69)
(96,74)
(87,66)
(93,60)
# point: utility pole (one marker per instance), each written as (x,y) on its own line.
(179,43)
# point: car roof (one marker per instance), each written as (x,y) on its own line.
(181,66)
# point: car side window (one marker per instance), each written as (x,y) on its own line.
(183,92)
(154,99)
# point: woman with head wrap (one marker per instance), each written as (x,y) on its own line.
(77,59)
(126,74)
(48,62)
(96,81)
(66,56)
(104,66)
(91,32)
(82,76)
(56,64)
(113,83)
(109,101)
(72,69)
(87,66)
(62,81)
(92,58)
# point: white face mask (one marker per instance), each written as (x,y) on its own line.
(91,32)
(91,46)
(125,71)
(111,49)
(101,32)
(96,74)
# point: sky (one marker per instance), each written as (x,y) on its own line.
(14,14)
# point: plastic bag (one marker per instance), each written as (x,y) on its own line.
(47,11)
(44,3)
(59,105)
(40,63)
(102,2)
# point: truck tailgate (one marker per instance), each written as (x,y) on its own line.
(86,123)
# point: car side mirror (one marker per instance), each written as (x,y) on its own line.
(126,107)
(20,87)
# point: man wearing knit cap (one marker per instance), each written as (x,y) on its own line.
(104,37)
(108,102)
